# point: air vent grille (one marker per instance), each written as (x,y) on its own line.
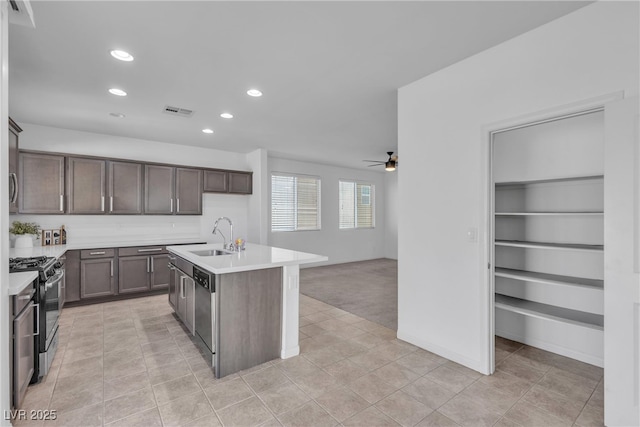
(177,111)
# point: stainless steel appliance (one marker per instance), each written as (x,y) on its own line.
(47,296)
(205,312)
(25,315)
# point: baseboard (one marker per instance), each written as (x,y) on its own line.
(443,352)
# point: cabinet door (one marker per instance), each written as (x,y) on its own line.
(13,166)
(215,182)
(125,188)
(97,278)
(86,179)
(174,278)
(41,183)
(72,276)
(240,182)
(190,297)
(158,189)
(23,353)
(159,271)
(133,274)
(188,191)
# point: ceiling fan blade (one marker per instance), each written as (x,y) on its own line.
(374,161)
(381,164)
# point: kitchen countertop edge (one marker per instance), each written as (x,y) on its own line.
(19,281)
(255,257)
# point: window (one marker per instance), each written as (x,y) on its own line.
(295,202)
(357,205)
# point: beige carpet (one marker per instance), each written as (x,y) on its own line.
(367,289)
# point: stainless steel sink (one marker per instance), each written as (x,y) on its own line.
(210,252)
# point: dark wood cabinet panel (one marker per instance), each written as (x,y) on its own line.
(133,274)
(97,277)
(14,176)
(86,179)
(160,271)
(72,276)
(159,189)
(215,181)
(240,182)
(41,185)
(125,188)
(188,191)
(249,319)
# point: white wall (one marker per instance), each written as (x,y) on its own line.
(443,292)
(5,324)
(391,214)
(86,230)
(339,245)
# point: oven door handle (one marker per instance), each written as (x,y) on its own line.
(56,279)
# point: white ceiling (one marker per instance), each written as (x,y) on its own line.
(329,71)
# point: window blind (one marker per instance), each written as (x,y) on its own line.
(295,202)
(357,205)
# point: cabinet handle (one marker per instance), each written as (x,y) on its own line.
(111,261)
(111,204)
(102,203)
(14,193)
(182,295)
(177,205)
(150,250)
(62,203)
(37,307)
(97,253)
(171,202)
(151,258)
(148,271)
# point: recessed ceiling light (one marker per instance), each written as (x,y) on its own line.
(118,115)
(122,55)
(226,115)
(117,92)
(254,92)
(207,130)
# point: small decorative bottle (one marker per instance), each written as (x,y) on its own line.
(63,235)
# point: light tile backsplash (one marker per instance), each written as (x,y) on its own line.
(115,230)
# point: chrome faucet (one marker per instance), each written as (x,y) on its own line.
(231,245)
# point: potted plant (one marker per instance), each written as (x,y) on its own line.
(25,233)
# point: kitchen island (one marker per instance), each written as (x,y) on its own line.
(255,301)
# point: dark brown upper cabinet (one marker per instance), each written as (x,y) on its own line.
(125,188)
(159,183)
(221,181)
(188,191)
(86,179)
(41,183)
(216,181)
(240,182)
(14,176)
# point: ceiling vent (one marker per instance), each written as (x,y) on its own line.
(20,13)
(177,111)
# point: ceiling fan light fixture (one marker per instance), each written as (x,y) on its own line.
(390,166)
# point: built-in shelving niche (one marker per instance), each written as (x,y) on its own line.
(549,237)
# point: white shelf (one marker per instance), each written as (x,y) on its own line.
(551,279)
(548,180)
(550,312)
(554,246)
(549,213)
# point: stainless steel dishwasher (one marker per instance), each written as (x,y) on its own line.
(205,313)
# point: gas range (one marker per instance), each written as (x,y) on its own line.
(44,265)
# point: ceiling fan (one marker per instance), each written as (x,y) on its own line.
(389,165)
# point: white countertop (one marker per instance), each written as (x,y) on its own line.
(50,251)
(255,257)
(19,281)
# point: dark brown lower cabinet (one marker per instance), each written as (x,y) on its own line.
(97,277)
(159,271)
(133,274)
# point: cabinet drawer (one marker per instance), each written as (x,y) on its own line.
(97,253)
(142,250)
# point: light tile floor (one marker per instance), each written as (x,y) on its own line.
(130,363)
